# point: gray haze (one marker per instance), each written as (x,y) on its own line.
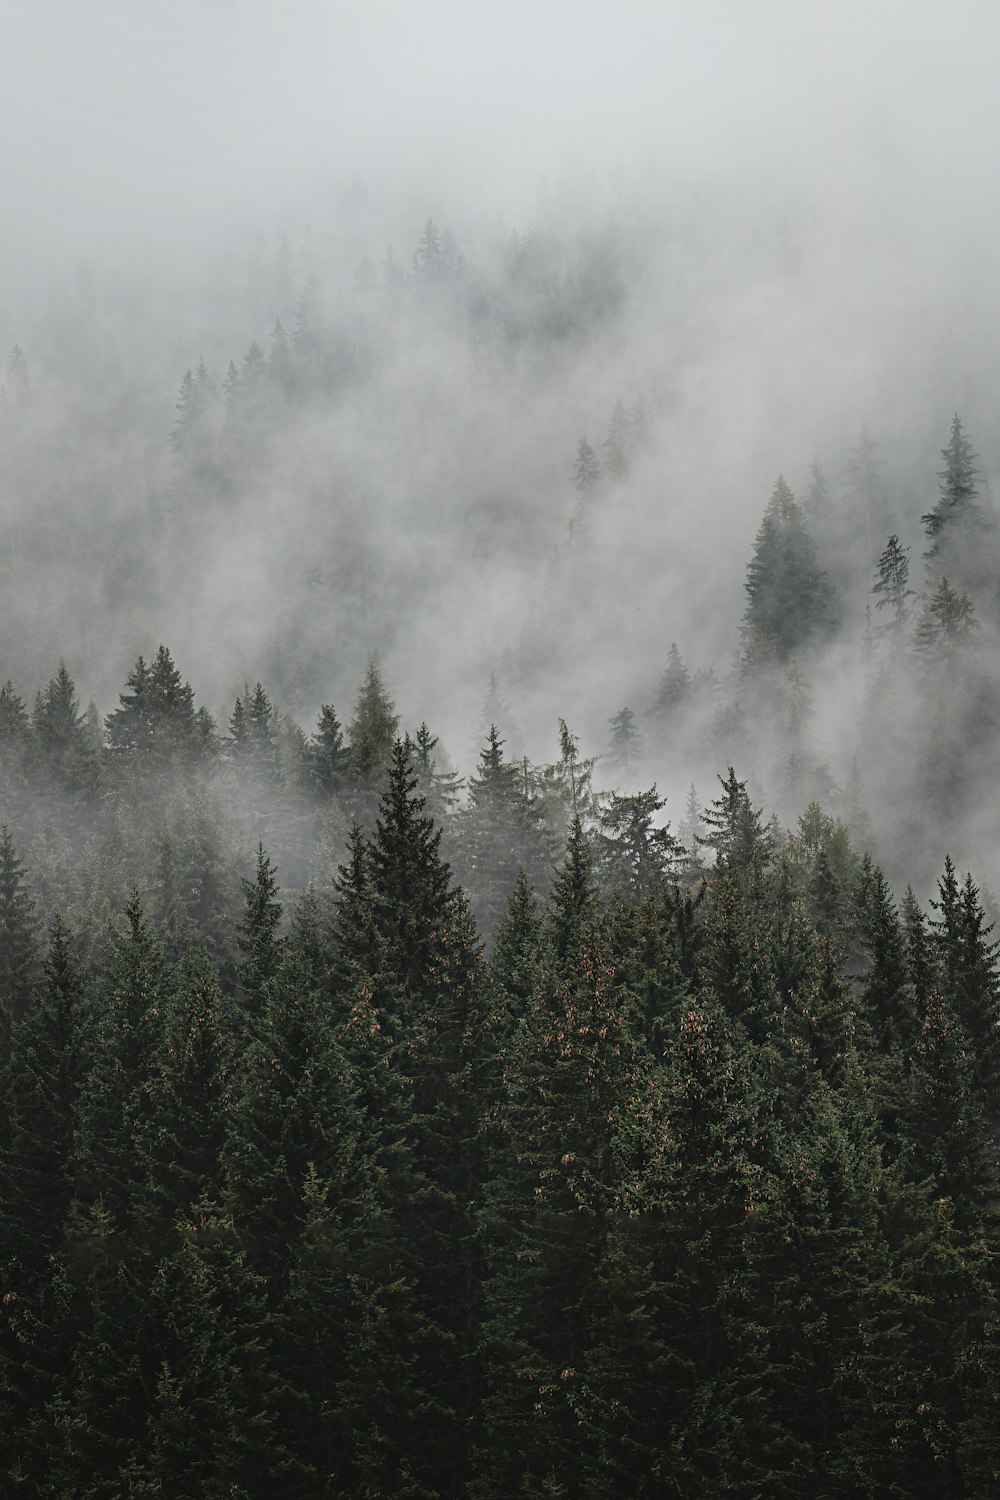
(795,201)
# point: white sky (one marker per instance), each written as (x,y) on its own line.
(124,118)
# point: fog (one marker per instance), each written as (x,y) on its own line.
(773,224)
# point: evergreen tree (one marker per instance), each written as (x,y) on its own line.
(371,736)
(625,743)
(947,625)
(121,1023)
(440,789)
(675,688)
(19,955)
(157,716)
(789,599)
(573,903)
(329,756)
(43,1080)
(14,722)
(586,481)
(891,587)
(59,733)
(634,851)
(736,832)
(868,509)
(559,1172)
(258,937)
(955,522)
(970,981)
(498,834)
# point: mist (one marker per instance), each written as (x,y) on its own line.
(768,228)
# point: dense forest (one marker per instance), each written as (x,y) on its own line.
(391,1117)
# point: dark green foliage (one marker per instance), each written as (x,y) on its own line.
(742,845)
(157,717)
(18,943)
(573,903)
(440,789)
(258,938)
(789,599)
(371,737)
(688,1189)
(499,833)
(59,733)
(329,755)
(42,1087)
(123,1025)
(634,851)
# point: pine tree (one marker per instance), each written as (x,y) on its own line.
(736,832)
(18,944)
(954,523)
(634,851)
(211,1425)
(498,834)
(625,743)
(257,935)
(586,481)
(440,789)
(573,902)
(675,688)
(14,722)
(42,1085)
(157,717)
(121,1025)
(948,624)
(789,599)
(19,957)
(892,589)
(970,979)
(558,1174)
(192,1080)
(868,508)
(428,984)
(329,756)
(371,737)
(60,735)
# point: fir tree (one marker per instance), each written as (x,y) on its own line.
(329,756)
(371,735)
(675,688)
(635,852)
(19,956)
(789,599)
(625,743)
(258,937)
(891,587)
(957,515)
(948,624)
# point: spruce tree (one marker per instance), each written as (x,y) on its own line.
(892,589)
(955,524)
(18,943)
(789,598)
